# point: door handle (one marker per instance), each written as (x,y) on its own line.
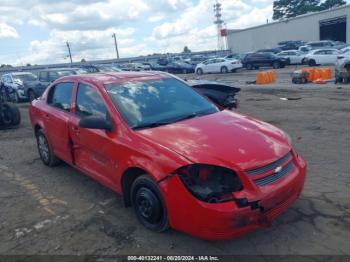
(75,128)
(47,116)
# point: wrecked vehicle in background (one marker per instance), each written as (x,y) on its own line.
(221,94)
(10,116)
(342,69)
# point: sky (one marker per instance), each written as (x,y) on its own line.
(36,31)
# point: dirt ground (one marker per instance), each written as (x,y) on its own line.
(60,211)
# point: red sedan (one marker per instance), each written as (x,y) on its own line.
(175,157)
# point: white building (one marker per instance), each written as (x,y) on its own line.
(326,25)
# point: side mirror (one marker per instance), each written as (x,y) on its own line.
(93,122)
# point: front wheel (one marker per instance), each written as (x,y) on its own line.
(148,204)
(199,71)
(312,62)
(249,66)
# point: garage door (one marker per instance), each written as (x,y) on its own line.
(333,29)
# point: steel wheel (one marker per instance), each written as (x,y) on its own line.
(148,204)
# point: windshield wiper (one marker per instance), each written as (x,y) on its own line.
(151,125)
(157,124)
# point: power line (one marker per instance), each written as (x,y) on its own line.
(70,54)
(116,44)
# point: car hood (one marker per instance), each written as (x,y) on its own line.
(223,138)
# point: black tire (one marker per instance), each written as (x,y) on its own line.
(224,70)
(148,204)
(10,116)
(46,154)
(276,65)
(31,95)
(199,71)
(312,62)
(249,66)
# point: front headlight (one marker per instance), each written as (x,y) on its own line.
(212,184)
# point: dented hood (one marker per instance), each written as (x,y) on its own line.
(223,138)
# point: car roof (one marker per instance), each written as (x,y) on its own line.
(59,69)
(116,77)
(21,73)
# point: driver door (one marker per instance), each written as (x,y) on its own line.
(93,149)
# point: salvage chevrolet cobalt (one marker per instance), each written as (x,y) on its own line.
(174,156)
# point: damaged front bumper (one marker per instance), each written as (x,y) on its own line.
(221,221)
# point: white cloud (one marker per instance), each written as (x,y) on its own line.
(7,31)
(89,24)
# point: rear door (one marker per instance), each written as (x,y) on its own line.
(93,149)
(331,56)
(56,116)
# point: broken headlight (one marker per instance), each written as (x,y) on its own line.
(212,184)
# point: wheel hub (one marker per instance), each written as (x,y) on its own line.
(148,205)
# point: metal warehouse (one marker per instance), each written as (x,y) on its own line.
(326,25)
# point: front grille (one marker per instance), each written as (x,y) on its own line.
(276,176)
(270,167)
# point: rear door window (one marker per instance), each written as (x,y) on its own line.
(43,76)
(60,96)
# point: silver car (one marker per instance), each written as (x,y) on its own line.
(342,68)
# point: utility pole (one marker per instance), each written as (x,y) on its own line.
(116,44)
(70,54)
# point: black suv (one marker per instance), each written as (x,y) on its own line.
(46,77)
(256,60)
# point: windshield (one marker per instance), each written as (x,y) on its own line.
(26,77)
(163,101)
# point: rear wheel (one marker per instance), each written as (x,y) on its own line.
(148,204)
(276,65)
(45,151)
(224,70)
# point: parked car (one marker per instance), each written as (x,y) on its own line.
(99,68)
(177,68)
(15,85)
(45,77)
(196,59)
(223,95)
(321,57)
(256,60)
(304,49)
(293,56)
(10,116)
(290,45)
(271,50)
(342,68)
(136,67)
(233,57)
(320,44)
(176,158)
(218,65)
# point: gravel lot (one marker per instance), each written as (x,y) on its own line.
(61,211)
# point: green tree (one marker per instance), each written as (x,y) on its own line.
(331,3)
(292,8)
(186,50)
